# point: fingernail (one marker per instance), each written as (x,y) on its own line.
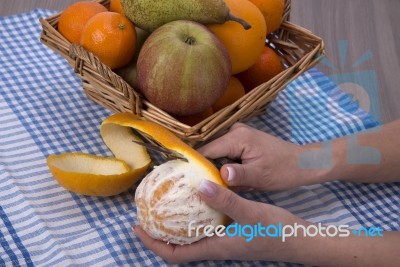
(208,188)
(231,173)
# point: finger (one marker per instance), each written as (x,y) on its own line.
(239,175)
(224,200)
(224,146)
(176,254)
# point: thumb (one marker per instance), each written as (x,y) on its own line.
(223,200)
(239,175)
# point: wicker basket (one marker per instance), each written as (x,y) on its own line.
(298,48)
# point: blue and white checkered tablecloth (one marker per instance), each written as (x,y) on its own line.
(43,111)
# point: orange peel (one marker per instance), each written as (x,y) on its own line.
(91,175)
(169,140)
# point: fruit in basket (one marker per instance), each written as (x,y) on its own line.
(267,66)
(194,119)
(149,15)
(73,19)
(244,46)
(272,11)
(183,68)
(111,37)
(234,91)
(128,72)
(116,6)
(92,175)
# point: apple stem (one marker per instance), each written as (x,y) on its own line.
(244,23)
(190,40)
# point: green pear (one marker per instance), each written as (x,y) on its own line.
(151,14)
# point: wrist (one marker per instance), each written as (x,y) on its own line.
(315,163)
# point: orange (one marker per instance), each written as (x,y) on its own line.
(111,37)
(74,17)
(115,6)
(244,46)
(233,92)
(272,11)
(267,66)
(192,120)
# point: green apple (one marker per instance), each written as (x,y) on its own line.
(183,68)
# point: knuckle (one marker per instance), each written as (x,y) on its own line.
(229,201)
(241,177)
(240,129)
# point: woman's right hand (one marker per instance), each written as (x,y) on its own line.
(267,162)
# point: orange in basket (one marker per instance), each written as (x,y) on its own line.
(244,46)
(233,92)
(115,6)
(110,36)
(73,19)
(267,67)
(272,11)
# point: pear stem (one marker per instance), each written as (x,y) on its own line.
(244,23)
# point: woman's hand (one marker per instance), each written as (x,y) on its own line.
(321,250)
(243,212)
(267,162)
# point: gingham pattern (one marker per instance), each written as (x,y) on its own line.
(43,111)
